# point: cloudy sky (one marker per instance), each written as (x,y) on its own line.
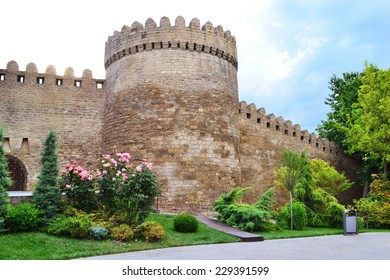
(287,49)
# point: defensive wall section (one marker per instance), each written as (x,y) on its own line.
(34,103)
(170,95)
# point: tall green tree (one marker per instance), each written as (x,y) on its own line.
(370,130)
(5,183)
(46,195)
(291,172)
(343,94)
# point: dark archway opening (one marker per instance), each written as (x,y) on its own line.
(18,174)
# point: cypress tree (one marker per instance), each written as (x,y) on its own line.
(5,183)
(46,195)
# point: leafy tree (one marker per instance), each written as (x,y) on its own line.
(291,172)
(328,178)
(46,195)
(370,130)
(320,205)
(5,183)
(344,94)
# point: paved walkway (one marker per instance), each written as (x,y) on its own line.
(364,246)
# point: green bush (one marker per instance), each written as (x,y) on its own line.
(244,216)
(76,227)
(300,219)
(59,226)
(80,227)
(23,217)
(150,231)
(185,223)
(98,232)
(122,232)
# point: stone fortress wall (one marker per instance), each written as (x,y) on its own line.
(170,95)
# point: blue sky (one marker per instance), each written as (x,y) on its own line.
(287,50)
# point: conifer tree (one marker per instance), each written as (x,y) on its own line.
(46,195)
(5,183)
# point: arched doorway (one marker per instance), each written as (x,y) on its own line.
(18,174)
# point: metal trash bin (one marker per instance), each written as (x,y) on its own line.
(350,222)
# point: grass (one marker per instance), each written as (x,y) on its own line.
(41,246)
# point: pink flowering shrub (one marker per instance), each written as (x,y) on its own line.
(119,184)
(79,187)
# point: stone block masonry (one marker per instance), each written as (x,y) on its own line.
(170,95)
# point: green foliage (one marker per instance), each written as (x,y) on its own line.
(369,133)
(77,226)
(122,232)
(185,223)
(5,183)
(46,194)
(23,217)
(376,206)
(244,216)
(300,218)
(150,231)
(59,226)
(98,232)
(328,178)
(344,93)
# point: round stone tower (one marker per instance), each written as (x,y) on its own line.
(172,97)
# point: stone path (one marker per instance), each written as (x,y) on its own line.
(245,236)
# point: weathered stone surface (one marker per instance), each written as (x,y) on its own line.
(171,96)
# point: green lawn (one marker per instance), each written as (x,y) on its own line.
(40,246)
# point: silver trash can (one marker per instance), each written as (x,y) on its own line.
(350,222)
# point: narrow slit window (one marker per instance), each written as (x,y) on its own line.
(323,149)
(2,77)
(136,48)
(169,44)
(302,138)
(178,45)
(187,46)
(248,115)
(285,132)
(77,83)
(152,46)
(316,145)
(203,47)
(20,78)
(194,46)
(268,124)
(277,127)
(59,82)
(161,45)
(144,47)
(239,111)
(294,134)
(258,120)
(40,80)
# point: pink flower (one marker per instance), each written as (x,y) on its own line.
(74,162)
(68,186)
(90,177)
(104,171)
(139,168)
(113,179)
(148,165)
(67,165)
(62,171)
(107,164)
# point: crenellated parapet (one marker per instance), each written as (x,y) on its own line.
(149,37)
(260,118)
(13,76)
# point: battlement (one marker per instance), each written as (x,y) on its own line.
(279,125)
(13,76)
(139,38)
